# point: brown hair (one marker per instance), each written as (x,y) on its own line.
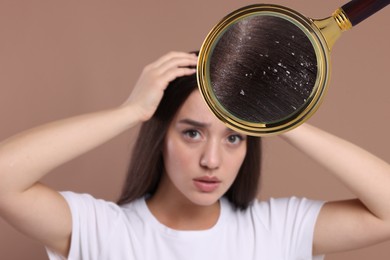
(267,64)
(146,165)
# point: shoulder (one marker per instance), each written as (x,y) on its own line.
(278,211)
(100,225)
(83,205)
(292,217)
(277,205)
(87,201)
(287,204)
(291,207)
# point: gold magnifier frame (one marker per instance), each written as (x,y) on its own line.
(322,34)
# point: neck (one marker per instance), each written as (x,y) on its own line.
(182,214)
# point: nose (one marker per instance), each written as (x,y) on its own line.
(212,155)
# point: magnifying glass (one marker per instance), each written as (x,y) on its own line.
(264,69)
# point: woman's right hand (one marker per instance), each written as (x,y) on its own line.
(154,79)
(27,157)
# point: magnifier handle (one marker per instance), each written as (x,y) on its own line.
(359,10)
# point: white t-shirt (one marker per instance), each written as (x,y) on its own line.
(270,230)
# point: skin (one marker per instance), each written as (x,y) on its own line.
(197,145)
(42,214)
(24,160)
(349,224)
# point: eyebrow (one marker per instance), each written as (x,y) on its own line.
(193,123)
(200,124)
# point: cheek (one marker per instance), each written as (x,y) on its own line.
(176,157)
(236,160)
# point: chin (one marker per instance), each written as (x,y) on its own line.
(205,199)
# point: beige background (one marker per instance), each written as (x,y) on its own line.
(62,58)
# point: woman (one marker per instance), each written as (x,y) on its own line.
(192,209)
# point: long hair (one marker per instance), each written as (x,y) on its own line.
(147,166)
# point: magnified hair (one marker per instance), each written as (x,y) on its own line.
(263,69)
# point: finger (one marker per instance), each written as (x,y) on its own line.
(176,63)
(172,55)
(174,73)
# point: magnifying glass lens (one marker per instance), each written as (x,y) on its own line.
(263,69)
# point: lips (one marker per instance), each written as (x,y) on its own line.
(206,183)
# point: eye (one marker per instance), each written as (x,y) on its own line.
(192,134)
(235,139)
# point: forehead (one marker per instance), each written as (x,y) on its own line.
(195,107)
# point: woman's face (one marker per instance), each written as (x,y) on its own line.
(201,155)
